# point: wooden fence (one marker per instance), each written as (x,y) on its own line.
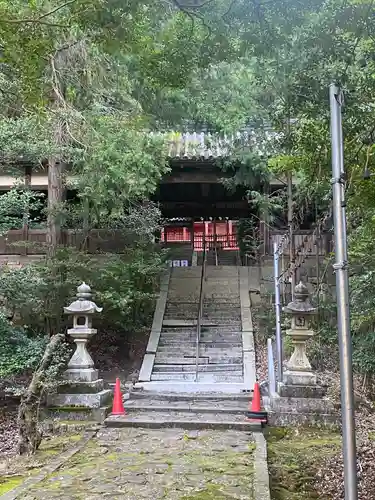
(303,239)
(33,241)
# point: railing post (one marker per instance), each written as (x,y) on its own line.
(271,369)
(279,345)
(200,308)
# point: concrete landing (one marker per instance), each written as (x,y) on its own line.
(192,387)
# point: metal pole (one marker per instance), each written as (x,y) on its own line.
(291,235)
(340,267)
(279,342)
(271,369)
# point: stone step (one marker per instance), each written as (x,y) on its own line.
(214,305)
(177,323)
(221,313)
(204,333)
(177,352)
(188,420)
(219,344)
(235,369)
(220,296)
(226,302)
(211,362)
(214,398)
(206,343)
(182,308)
(239,407)
(204,336)
(178,387)
(202,377)
(168,357)
(212,297)
(185,331)
(165,359)
(232,328)
(225,354)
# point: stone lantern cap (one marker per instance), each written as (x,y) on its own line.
(301,304)
(83,304)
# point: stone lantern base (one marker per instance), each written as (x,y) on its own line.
(302,405)
(300,378)
(77,392)
(81,394)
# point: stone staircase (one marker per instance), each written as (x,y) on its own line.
(224,258)
(171,363)
(220,346)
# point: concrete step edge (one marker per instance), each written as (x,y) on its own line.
(184,409)
(152,423)
(181,396)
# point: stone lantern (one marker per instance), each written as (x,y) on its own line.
(299,371)
(81,366)
(81,389)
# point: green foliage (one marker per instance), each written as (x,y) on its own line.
(15,208)
(248,237)
(20,351)
(124,285)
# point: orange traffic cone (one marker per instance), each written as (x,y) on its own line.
(255,404)
(255,414)
(118,407)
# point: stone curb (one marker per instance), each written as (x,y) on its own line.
(261,475)
(49,469)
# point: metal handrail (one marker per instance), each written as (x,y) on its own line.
(200,309)
(215,251)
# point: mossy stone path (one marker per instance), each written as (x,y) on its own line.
(171,464)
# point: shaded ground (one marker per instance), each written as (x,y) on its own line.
(295,458)
(8,429)
(135,464)
(13,470)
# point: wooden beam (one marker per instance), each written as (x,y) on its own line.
(194,177)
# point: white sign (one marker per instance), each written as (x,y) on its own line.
(178,263)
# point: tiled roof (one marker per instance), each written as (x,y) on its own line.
(206,146)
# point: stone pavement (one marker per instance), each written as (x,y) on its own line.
(153,464)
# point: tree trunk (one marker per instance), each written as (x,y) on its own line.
(30,436)
(55,200)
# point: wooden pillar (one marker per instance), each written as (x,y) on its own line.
(25,227)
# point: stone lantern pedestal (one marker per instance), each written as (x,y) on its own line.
(81,387)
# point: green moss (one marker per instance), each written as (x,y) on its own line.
(69,408)
(211,492)
(9,483)
(294,457)
(53,485)
(80,423)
